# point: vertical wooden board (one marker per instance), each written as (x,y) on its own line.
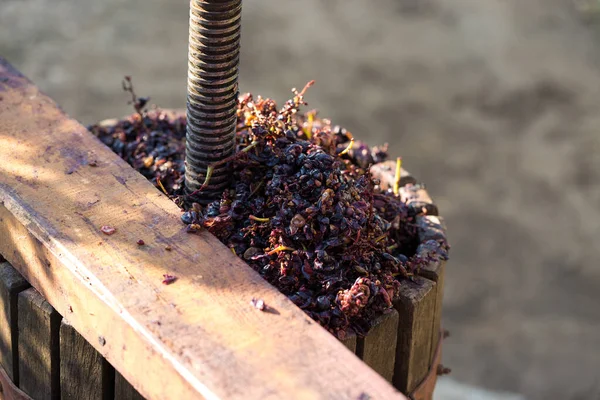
(11,283)
(416,307)
(437,275)
(124,390)
(39,361)
(83,371)
(378,348)
(433,229)
(350,342)
(198,338)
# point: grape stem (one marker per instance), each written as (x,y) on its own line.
(257,219)
(398,175)
(347,149)
(279,249)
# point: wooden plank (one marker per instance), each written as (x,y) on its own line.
(84,374)
(11,284)
(350,342)
(425,389)
(378,348)
(39,324)
(416,306)
(432,233)
(124,390)
(198,337)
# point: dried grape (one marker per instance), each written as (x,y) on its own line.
(302,208)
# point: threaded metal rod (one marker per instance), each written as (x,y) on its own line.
(212,93)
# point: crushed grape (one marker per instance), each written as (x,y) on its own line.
(302,208)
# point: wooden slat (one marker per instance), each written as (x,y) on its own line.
(378,348)
(413,352)
(84,374)
(198,337)
(350,342)
(124,390)
(425,389)
(11,284)
(39,360)
(432,231)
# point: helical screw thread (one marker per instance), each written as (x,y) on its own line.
(212,93)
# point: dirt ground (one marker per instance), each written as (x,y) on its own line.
(495,104)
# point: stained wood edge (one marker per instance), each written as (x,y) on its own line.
(12,283)
(38,377)
(72,276)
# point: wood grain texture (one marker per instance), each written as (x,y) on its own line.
(84,373)
(198,337)
(11,284)
(350,342)
(432,232)
(416,307)
(124,390)
(39,362)
(378,348)
(425,389)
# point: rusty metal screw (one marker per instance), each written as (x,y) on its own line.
(441,370)
(212,94)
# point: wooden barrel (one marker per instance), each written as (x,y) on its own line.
(108,290)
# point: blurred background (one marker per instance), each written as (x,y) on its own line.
(495,104)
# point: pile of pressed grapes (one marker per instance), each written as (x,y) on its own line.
(302,208)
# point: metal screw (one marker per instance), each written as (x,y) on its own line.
(212,93)
(441,370)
